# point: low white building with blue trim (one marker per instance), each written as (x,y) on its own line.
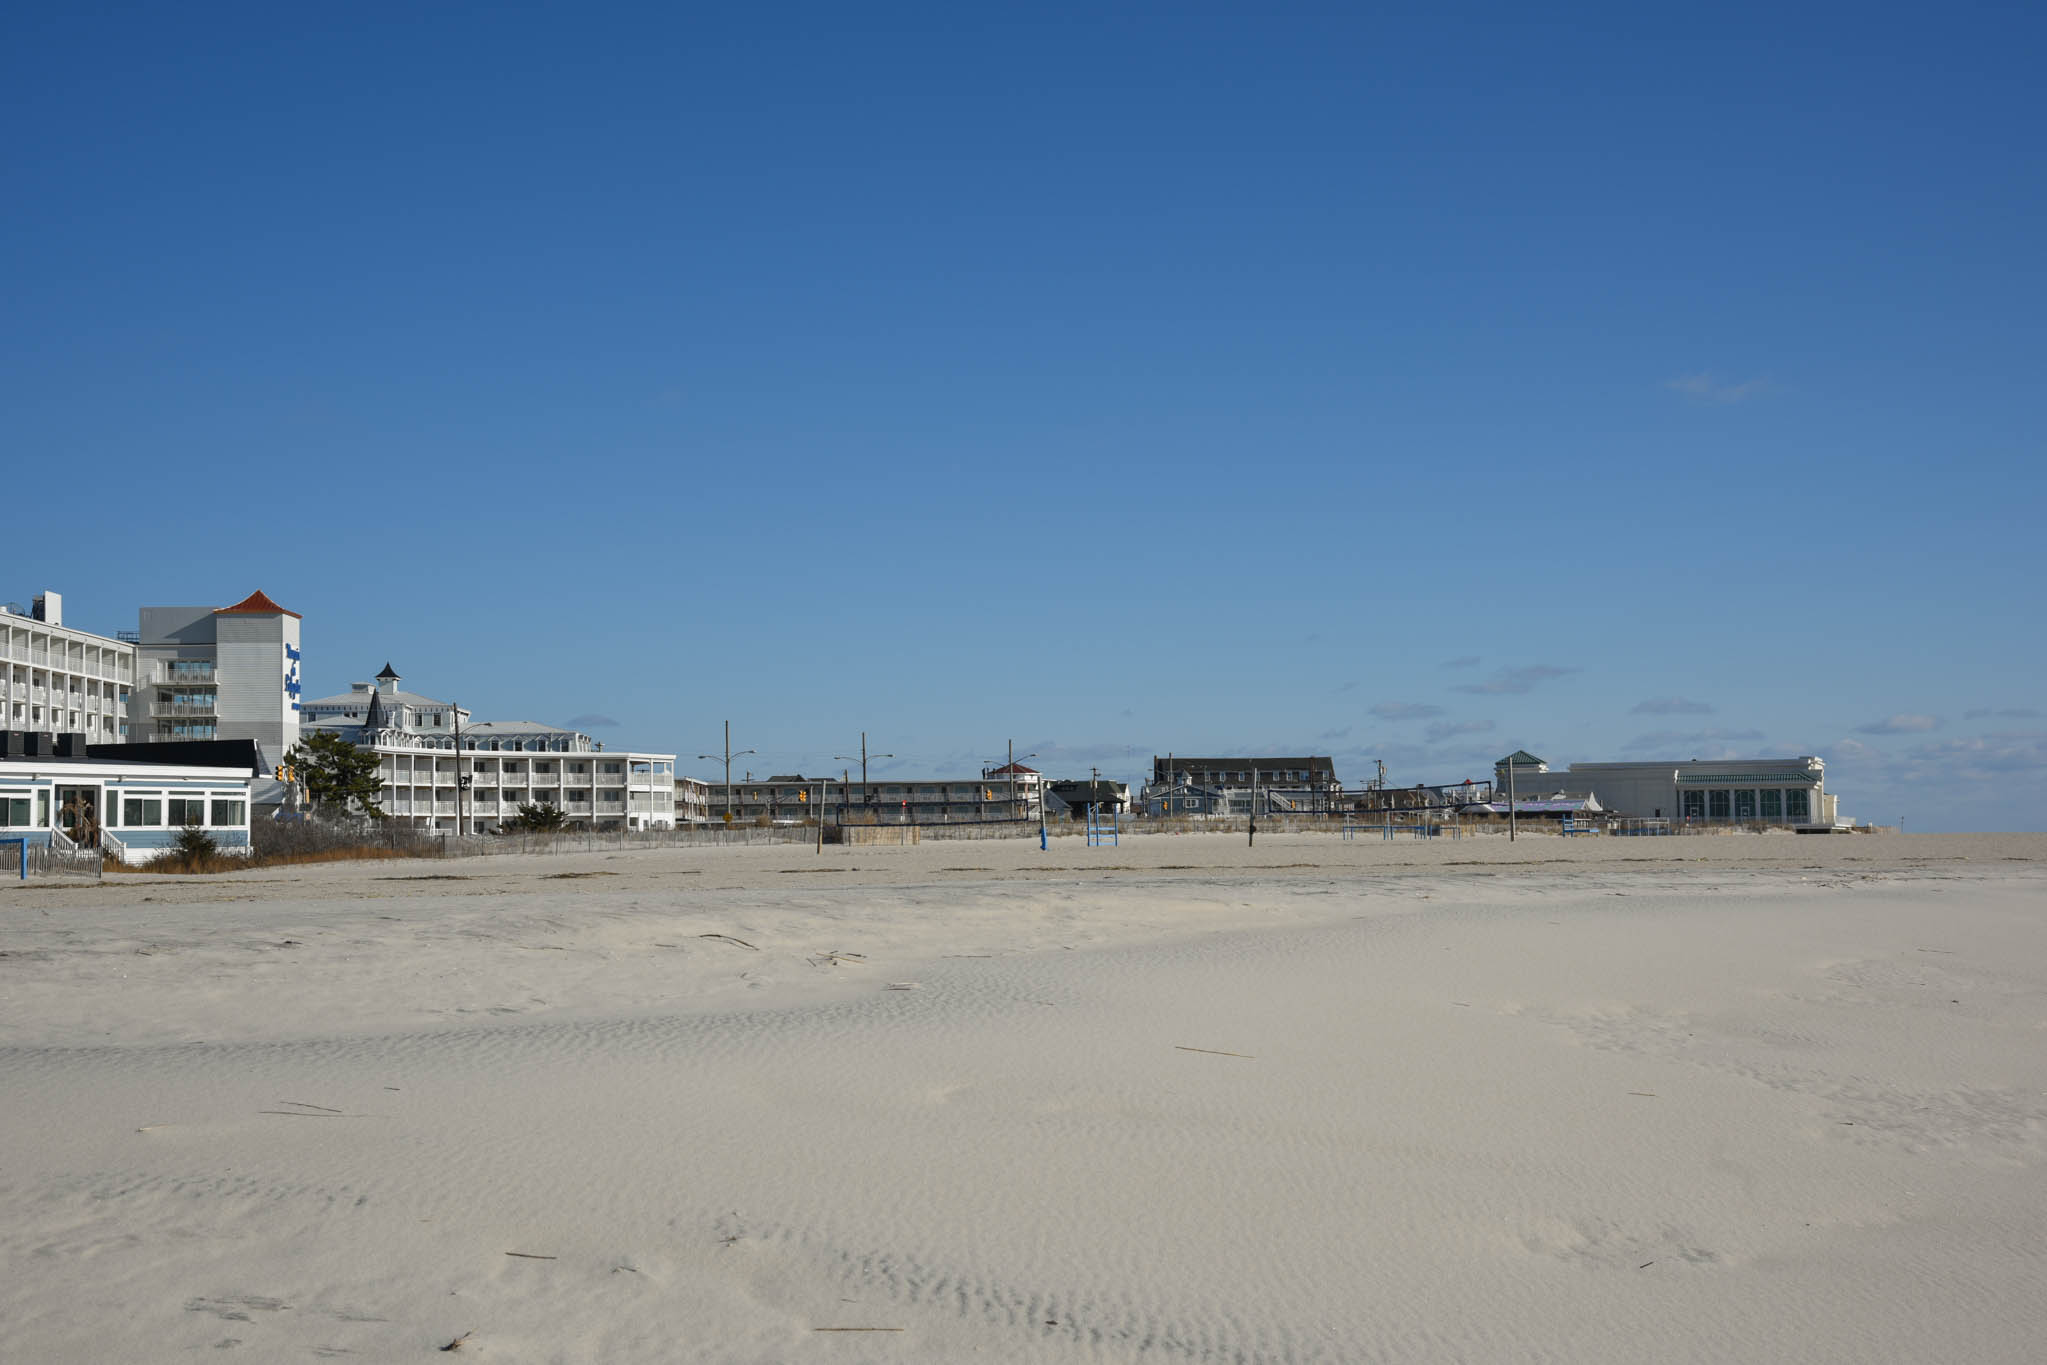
(132,809)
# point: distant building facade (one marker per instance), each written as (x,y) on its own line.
(1241,785)
(500,765)
(56,679)
(1726,791)
(998,794)
(218,673)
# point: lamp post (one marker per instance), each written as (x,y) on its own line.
(866,795)
(729,756)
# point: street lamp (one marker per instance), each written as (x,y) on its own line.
(866,795)
(729,756)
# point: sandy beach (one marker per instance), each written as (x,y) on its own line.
(1688,1099)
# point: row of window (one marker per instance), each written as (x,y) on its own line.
(1266,776)
(139,812)
(147,812)
(1748,803)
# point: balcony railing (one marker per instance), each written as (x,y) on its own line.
(202,673)
(184,708)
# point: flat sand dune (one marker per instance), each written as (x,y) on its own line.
(1690,1099)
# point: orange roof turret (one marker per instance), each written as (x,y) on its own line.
(256,604)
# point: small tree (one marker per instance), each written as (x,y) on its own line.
(539,818)
(195,845)
(194,851)
(335,772)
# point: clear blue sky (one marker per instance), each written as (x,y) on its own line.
(1611,381)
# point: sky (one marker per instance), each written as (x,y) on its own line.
(1410,383)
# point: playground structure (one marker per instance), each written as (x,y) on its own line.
(1103,828)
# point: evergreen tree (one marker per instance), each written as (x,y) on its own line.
(337,773)
(539,817)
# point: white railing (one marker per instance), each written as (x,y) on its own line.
(112,844)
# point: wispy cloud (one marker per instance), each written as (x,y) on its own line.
(1331,736)
(1981,757)
(1690,743)
(1705,387)
(1515,680)
(1467,661)
(2013,762)
(2004,713)
(1900,725)
(1406,710)
(1672,706)
(591,721)
(1449,729)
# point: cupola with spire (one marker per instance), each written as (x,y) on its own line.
(387,681)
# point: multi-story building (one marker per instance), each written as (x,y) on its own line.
(692,800)
(218,673)
(56,679)
(498,766)
(998,794)
(1241,786)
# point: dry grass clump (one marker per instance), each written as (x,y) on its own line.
(287,844)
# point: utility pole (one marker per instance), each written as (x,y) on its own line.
(1252,842)
(1510,800)
(1013,812)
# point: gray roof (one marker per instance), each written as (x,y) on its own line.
(515,727)
(360,701)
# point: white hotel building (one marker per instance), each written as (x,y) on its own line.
(57,680)
(506,764)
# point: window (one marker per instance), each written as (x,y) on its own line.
(543,767)
(141,812)
(1716,803)
(611,767)
(1795,807)
(1773,804)
(13,812)
(1745,804)
(230,813)
(186,811)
